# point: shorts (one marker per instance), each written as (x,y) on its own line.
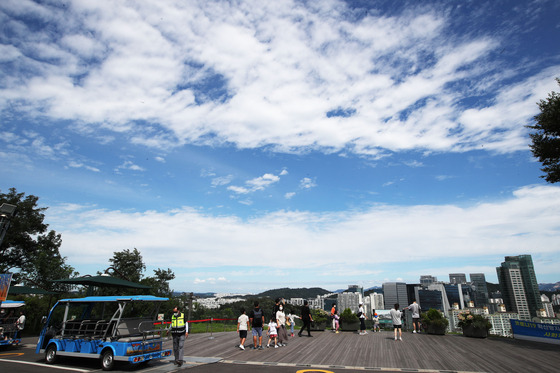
(257,331)
(242,334)
(397,326)
(273,335)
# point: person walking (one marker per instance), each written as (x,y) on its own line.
(415,309)
(292,317)
(257,321)
(242,327)
(179,332)
(362,317)
(306,318)
(396,316)
(336,319)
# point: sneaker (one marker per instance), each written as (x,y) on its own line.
(276,346)
(414,331)
(267,346)
(261,348)
(337,332)
(395,338)
(242,347)
(280,345)
(400,338)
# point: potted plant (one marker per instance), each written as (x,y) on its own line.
(349,321)
(320,318)
(434,322)
(475,326)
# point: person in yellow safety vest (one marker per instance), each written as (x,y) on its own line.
(179,332)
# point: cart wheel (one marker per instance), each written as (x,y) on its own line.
(50,355)
(107,360)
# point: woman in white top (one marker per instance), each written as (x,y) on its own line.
(281,321)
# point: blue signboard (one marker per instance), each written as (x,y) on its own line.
(534,331)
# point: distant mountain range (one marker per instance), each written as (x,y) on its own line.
(549,287)
(310,293)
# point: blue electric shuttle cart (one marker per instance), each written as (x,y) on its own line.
(9,333)
(109,328)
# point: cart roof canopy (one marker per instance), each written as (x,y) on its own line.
(12,304)
(116,298)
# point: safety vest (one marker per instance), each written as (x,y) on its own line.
(178,325)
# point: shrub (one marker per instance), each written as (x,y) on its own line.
(348,316)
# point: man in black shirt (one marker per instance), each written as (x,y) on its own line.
(257,321)
(306,318)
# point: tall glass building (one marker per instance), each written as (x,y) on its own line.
(395,292)
(478,280)
(519,286)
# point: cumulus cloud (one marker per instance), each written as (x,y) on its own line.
(256,184)
(525,220)
(220,72)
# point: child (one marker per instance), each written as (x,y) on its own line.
(242,326)
(272,333)
(376,323)
(336,321)
(292,317)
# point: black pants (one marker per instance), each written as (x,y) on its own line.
(306,324)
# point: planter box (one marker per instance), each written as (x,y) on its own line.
(318,326)
(474,332)
(438,330)
(350,326)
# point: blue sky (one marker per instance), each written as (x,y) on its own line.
(250,145)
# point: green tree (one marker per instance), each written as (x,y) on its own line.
(546,140)
(29,250)
(160,282)
(128,265)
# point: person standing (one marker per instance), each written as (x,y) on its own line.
(20,323)
(333,312)
(415,309)
(281,322)
(179,332)
(257,321)
(336,319)
(306,318)
(396,316)
(362,317)
(376,323)
(242,327)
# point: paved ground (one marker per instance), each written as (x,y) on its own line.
(326,352)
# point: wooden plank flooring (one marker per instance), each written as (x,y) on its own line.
(380,350)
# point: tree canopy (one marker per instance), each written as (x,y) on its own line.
(29,250)
(546,140)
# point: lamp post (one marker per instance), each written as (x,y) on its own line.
(7,212)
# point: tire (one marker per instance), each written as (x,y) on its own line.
(107,360)
(50,354)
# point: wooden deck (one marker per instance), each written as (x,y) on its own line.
(423,352)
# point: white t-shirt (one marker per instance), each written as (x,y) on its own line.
(362,315)
(243,321)
(21,322)
(272,328)
(281,317)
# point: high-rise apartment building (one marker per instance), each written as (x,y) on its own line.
(394,292)
(519,286)
(426,280)
(457,278)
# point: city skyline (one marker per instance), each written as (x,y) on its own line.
(253,145)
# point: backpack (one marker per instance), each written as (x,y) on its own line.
(257,315)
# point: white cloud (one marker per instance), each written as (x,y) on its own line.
(256,184)
(307,183)
(527,221)
(117,68)
(289,195)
